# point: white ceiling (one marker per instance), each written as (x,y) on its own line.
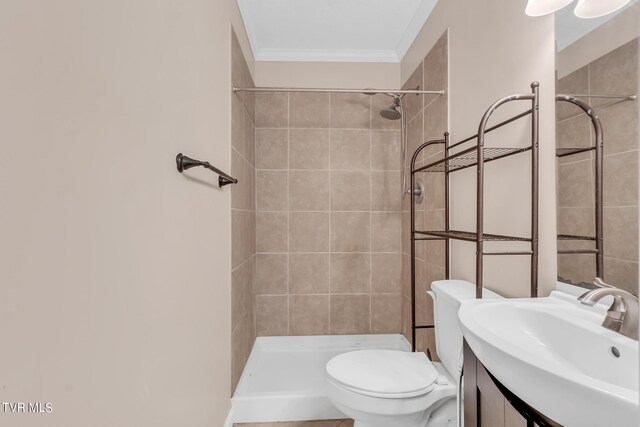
(333,30)
(570,28)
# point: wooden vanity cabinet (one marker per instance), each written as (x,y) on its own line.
(487,403)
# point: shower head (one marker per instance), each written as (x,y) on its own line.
(392,112)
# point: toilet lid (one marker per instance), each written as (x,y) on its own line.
(383,373)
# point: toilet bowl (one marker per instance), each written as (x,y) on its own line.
(384,388)
(388,388)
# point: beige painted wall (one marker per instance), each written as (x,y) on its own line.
(116,270)
(496,50)
(328,74)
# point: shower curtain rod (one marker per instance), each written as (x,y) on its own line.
(365,91)
(584,95)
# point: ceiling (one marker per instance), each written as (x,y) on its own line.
(333,30)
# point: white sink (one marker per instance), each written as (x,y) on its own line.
(554,354)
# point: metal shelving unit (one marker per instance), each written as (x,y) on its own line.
(477,155)
(599,184)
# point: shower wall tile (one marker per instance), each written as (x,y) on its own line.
(350,231)
(386,311)
(350,150)
(386,272)
(350,314)
(623,273)
(575,187)
(237,169)
(272,233)
(309,110)
(620,222)
(350,273)
(272,315)
(436,70)
(435,123)
(237,123)
(243,217)
(385,150)
(271,190)
(615,72)
(308,190)
(327,192)
(429,121)
(272,148)
(271,274)
(574,132)
(385,189)
(574,83)
(309,314)
(415,135)
(414,103)
(272,110)
(308,232)
(387,226)
(309,273)
(350,111)
(249,138)
(309,148)
(350,191)
(621,184)
(620,136)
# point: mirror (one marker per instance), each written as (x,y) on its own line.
(597,189)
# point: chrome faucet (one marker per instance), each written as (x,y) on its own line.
(622,316)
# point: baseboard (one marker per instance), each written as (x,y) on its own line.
(229,421)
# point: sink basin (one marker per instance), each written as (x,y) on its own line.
(554,354)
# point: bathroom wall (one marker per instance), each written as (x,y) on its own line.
(348,75)
(613,73)
(495,50)
(328,215)
(243,214)
(427,120)
(115,269)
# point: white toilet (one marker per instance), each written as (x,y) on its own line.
(389,388)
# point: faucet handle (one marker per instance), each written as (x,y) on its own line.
(598,283)
(601,284)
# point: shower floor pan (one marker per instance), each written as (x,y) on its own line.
(284,379)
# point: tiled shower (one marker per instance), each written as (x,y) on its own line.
(320,241)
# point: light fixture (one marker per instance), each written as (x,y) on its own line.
(597,8)
(584,9)
(545,7)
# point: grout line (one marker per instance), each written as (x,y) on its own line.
(288,208)
(330,202)
(370,216)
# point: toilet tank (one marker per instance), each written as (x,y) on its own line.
(448,296)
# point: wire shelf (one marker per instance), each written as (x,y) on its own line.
(468,158)
(562,152)
(574,237)
(471,237)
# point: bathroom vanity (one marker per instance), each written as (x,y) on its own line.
(487,402)
(552,353)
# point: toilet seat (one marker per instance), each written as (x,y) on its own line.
(383,373)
